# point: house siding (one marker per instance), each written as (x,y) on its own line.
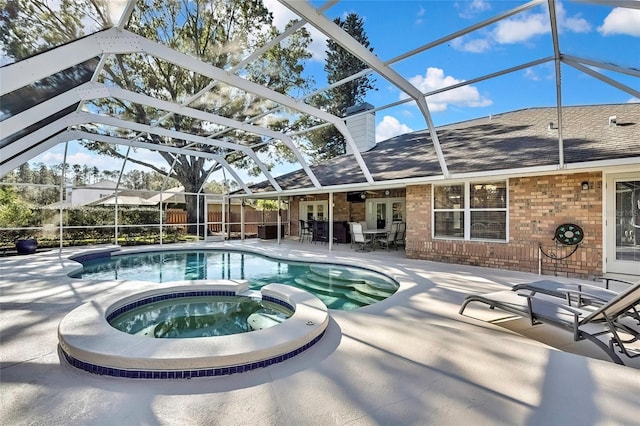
(537,205)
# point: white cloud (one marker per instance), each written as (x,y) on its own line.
(420,15)
(51,158)
(473,8)
(79,155)
(634,101)
(435,79)
(281,17)
(521,29)
(576,23)
(530,74)
(621,21)
(390,127)
(477,45)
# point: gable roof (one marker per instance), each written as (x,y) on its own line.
(514,140)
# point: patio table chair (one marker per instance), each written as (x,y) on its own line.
(389,239)
(359,238)
(400,234)
(305,230)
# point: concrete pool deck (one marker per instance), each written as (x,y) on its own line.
(408,360)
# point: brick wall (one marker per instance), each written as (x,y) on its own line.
(537,205)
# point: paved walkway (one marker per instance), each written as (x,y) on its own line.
(408,360)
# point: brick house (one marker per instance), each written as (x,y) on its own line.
(513,182)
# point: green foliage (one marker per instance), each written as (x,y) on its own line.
(31,26)
(218,32)
(328,142)
(13,211)
(267,205)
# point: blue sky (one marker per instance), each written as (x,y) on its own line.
(589,31)
(592,31)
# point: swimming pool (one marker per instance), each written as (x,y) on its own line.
(337,286)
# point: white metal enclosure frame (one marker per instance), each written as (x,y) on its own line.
(118,40)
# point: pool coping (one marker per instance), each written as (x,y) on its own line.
(89,342)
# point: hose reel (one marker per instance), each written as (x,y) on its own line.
(567,234)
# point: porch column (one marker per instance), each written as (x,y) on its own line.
(242,237)
(330,221)
(279,220)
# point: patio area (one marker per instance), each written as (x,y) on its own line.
(408,360)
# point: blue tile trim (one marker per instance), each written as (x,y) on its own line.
(186,374)
(168,296)
(279,302)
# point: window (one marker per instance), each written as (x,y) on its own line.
(470,211)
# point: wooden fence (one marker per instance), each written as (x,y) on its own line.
(252,218)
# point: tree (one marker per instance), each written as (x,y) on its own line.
(327,142)
(14,212)
(219,32)
(77,174)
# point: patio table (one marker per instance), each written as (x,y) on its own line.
(373,233)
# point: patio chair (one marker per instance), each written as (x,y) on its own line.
(358,237)
(351,234)
(389,239)
(400,235)
(305,230)
(320,231)
(610,319)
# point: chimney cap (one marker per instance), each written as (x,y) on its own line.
(365,106)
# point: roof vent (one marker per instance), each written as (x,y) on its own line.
(613,120)
(551,126)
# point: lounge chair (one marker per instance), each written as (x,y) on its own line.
(610,319)
(588,294)
(576,293)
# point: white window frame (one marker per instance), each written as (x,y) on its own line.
(302,210)
(371,213)
(466,210)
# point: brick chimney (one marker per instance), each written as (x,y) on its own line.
(361,126)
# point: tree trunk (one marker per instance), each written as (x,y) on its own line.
(193,213)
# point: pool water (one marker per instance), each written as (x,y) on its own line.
(202,316)
(339,287)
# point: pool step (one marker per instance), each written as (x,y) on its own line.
(347,290)
(340,276)
(320,287)
(363,299)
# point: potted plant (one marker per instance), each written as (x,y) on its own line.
(26,245)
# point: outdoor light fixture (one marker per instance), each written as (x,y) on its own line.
(387,192)
(585,186)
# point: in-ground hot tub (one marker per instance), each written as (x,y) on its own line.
(89,342)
